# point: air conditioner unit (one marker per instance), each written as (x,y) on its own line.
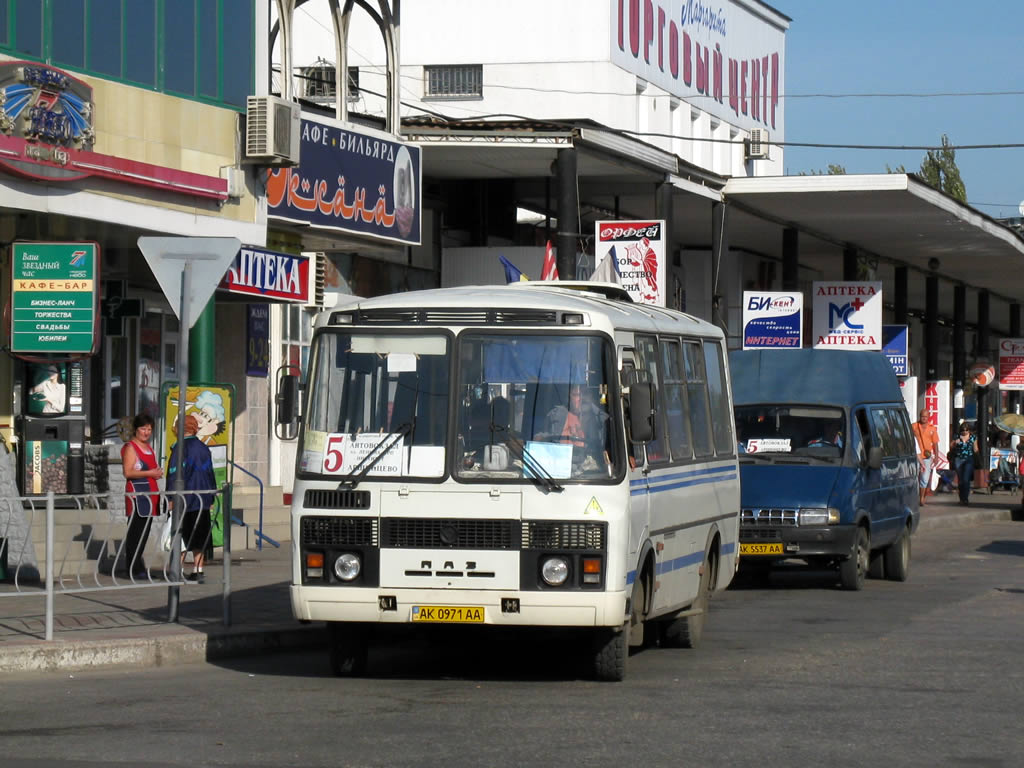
(272,128)
(757,144)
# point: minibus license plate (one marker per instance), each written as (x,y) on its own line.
(774,548)
(448,614)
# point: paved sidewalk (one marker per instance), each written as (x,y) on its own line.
(129,626)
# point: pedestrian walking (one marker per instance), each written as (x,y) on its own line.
(927,437)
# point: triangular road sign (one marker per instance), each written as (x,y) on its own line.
(209,257)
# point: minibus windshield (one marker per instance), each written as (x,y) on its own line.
(535,406)
(378,406)
(791,429)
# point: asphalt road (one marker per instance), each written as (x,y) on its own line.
(796,673)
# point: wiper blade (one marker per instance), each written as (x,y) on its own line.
(757,456)
(370,460)
(536,468)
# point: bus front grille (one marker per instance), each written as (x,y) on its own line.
(414,533)
(322,498)
(542,534)
(339,531)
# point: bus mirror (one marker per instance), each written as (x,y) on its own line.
(874,457)
(287,401)
(641,412)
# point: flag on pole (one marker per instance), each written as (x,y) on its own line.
(608,270)
(512,272)
(550,271)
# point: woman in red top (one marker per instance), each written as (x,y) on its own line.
(141,471)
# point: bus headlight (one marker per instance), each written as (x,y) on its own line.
(347,566)
(828,516)
(554,571)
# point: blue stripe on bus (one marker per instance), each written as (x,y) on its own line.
(707,478)
(659,478)
(685,561)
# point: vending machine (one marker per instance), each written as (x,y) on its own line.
(52,427)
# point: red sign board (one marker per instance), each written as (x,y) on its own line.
(268,275)
(1011,363)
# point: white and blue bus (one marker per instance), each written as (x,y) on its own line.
(537,454)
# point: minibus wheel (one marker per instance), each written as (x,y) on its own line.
(897,558)
(349,649)
(853,570)
(611,648)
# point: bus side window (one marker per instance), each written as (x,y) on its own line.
(647,354)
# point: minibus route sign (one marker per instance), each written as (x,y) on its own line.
(53,297)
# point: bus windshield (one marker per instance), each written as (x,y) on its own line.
(378,406)
(791,429)
(535,406)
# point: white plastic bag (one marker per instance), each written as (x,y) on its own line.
(167,533)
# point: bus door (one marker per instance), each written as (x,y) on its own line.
(639,501)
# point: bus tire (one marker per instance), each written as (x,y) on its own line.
(349,649)
(897,558)
(854,569)
(686,631)
(610,651)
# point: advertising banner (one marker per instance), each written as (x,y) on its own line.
(1011,364)
(638,248)
(257,340)
(353,179)
(268,274)
(847,315)
(772,319)
(213,407)
(895,345)
(937,402)
(54,290)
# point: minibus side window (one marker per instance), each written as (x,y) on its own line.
(647,354)
(675,400)
(886,437)
(863,439)
(904,441)
(721,420)
(697,397)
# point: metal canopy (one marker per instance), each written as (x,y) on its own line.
(895,217)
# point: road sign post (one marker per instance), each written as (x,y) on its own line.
(179,263)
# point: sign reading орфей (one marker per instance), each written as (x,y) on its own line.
(53,297)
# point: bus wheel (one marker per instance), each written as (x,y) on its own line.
(349,646)
(853,570)
(897,558)
(611,647)
(685,631)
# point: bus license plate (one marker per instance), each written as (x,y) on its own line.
(774,548)
(448,614)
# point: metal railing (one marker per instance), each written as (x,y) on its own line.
(260,536)
(92,546)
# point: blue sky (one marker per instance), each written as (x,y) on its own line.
(909,46)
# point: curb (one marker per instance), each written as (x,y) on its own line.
(155,652)
(964,518)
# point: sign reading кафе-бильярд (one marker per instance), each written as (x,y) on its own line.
(53,297)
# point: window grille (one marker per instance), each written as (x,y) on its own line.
(459,81)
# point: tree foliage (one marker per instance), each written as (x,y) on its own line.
(833,170)
(939,170)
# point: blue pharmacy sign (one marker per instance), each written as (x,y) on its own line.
(353,179)
(894,345)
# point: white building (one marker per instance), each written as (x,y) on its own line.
(689,78)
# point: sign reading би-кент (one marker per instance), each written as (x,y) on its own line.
(54,297)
